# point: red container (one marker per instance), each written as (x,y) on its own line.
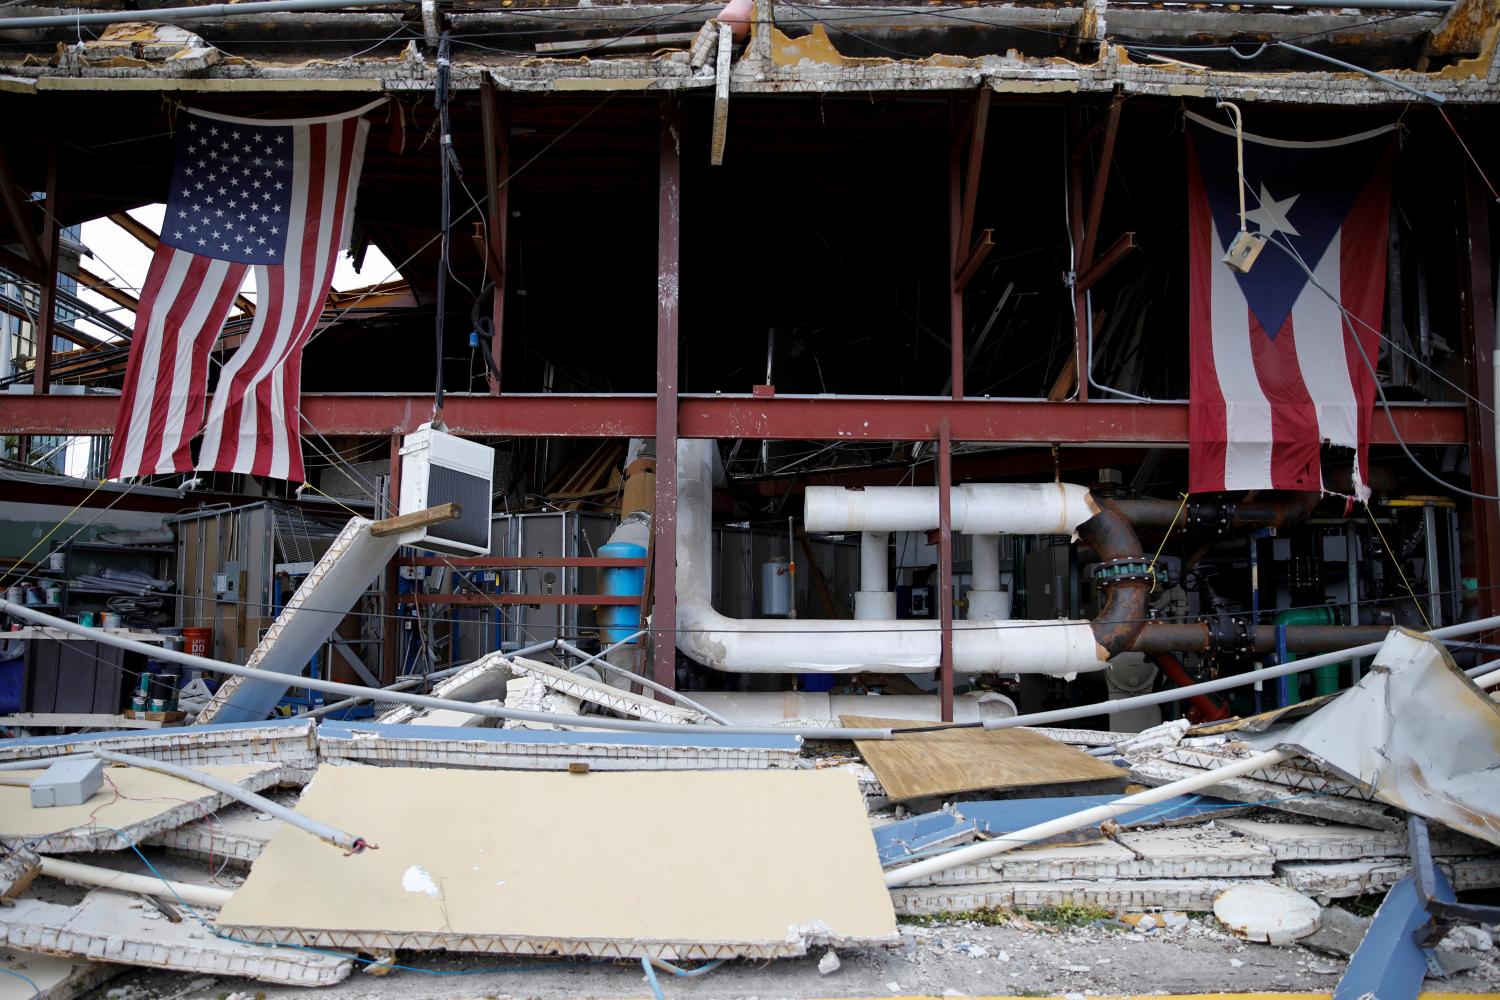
(198,641)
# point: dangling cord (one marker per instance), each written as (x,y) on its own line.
(445,154)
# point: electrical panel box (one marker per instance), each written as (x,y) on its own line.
(70,782)
(438,468)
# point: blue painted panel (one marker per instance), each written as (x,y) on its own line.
(559,737)
(1388,963)
(918,835)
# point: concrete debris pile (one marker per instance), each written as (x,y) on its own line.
(980,839)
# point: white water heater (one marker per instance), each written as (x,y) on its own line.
(438,468)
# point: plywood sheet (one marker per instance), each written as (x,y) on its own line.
(684,864)
(950,761)
(148,802)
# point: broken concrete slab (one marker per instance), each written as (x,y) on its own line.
(1339,932)
(237,833)
(56,978)
(1187,894)
(1251,791)
(111,926)
(531,695)
(482,680)
(147,802)
(285,741)
(604,695)
(552,749)
(1341,842)
(1191,852)
(507,878)
(1300,774)
(17,869)
(1340,880)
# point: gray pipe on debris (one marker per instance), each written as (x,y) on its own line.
(190,12)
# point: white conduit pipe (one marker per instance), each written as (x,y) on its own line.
(329,834)
(975,508)
(897,646)
(986,599)
(1087,817)
(149,885)
(874,600)
(424,701)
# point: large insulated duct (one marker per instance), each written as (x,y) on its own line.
(975,508)
(814,646)
(874,600)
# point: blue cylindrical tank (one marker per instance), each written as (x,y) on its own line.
(619,620)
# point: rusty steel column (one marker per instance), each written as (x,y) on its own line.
(956,251)
(390,632)
(47,306)
(1478,317)
(1080,304)
(664,524)
(497,177)
(945,568)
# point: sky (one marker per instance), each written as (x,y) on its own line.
(122,259)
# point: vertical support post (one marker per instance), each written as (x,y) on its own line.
(47,304)
(1080,303)
(496,176)
(1479,345)
(390,634)
(956,252)
(945,569)
(664,524)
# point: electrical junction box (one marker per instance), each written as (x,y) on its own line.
(438,468)
(70,782)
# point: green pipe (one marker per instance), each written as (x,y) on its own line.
(1325,679)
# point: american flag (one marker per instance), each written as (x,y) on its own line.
(277,196)
(1277,377)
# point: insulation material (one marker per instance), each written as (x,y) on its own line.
(148,802)
(624,702)
(284,741)
(974,508)
(326,595)
(115,927)
(56,978)
(553,750)
(482,680)
(1417,732)
(922,765)
(720,865)
(754,645)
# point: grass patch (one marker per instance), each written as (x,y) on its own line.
(1069,915)
(988,916)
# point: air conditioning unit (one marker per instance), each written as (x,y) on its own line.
(438,468)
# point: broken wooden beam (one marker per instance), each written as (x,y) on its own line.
(416,519)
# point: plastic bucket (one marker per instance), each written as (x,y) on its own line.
(198,641)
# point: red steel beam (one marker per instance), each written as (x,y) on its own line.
(484,600)
(1105,423)
(666,425)
(1478,336)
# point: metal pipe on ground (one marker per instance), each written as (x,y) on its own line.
(149,885)
(1078,820)
(188,13)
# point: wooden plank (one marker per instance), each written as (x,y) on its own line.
(721,96)
(920,765)
(416,519)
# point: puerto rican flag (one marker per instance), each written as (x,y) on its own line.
(276,196)
(1277,381)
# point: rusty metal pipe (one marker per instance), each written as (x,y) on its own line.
(1220,516)
(1123,613)
(1199,637)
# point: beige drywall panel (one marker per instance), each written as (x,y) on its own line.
(685,864)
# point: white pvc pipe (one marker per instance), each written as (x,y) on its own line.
(976,508)
(1087,817)
(984,562)
(1488,680)
(150,885)
(748,645)
(772,708)
(874,561)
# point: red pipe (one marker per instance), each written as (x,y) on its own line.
(1202,708)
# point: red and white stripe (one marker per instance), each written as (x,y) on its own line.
(183,306)
(254,420)
(1263,407)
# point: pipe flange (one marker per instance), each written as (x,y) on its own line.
(1230,635)
(1120,570)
